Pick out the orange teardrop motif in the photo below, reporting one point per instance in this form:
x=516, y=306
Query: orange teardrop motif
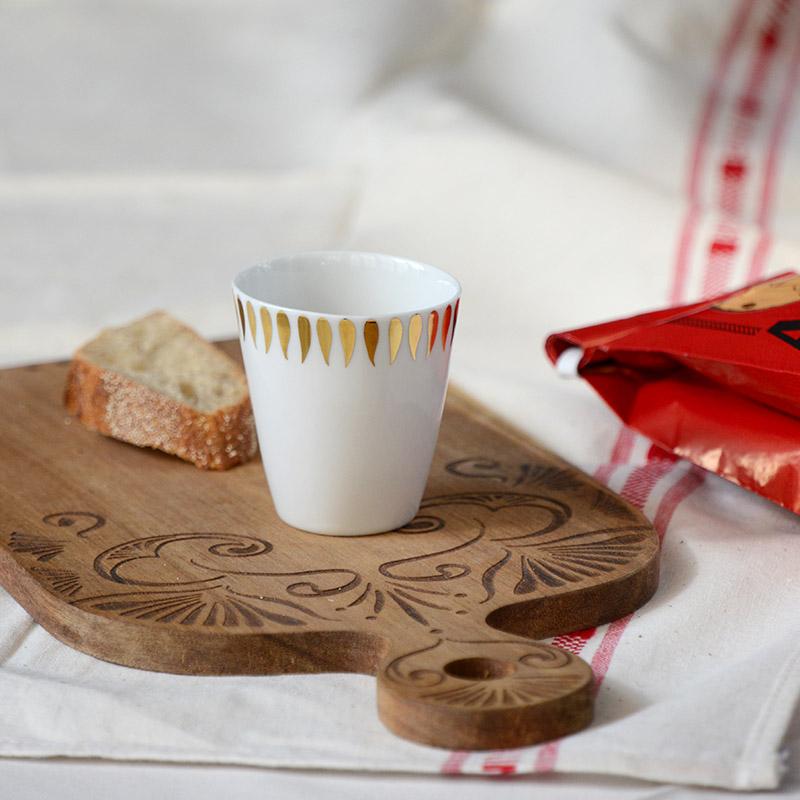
x=433, y=324
x=448, y=313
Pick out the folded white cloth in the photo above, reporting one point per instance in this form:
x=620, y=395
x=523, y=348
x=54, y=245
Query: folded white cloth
x=568, y=162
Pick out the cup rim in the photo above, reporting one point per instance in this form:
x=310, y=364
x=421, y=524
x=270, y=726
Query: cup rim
x=451, y=299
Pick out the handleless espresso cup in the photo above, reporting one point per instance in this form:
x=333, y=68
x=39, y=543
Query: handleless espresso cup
x=347, y=356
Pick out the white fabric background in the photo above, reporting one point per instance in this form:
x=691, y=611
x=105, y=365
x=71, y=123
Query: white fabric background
x=537, y=150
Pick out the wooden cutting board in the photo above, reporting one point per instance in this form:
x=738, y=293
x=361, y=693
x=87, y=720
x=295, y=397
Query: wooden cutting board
x=138, y=558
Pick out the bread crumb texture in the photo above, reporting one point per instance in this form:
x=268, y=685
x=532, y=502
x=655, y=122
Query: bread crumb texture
x=156, y=383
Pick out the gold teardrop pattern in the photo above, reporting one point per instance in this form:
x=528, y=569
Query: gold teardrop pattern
x=241, y=313
x=433, y=324
x=284, y=332
x=251, y=318
x=347, y=334
x=371, y=336
x=325, y=338
x=304, y=334
x=448, y=313
x=414, y=334
x=395, y=338
x=266, y=326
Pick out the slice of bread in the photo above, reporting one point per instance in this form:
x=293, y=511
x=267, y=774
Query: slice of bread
x=156, y=383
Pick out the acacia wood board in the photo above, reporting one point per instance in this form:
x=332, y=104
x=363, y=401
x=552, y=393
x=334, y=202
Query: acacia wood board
x=138, y=558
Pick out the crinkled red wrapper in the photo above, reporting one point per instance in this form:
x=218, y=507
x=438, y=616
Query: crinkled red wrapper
x=716, y=382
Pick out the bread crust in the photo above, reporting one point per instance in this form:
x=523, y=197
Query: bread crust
x=116, y=405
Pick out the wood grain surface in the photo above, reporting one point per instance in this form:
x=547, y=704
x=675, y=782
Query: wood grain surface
x=135, y=557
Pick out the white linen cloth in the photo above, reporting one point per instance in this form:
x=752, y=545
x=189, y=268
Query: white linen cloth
x=539, y=151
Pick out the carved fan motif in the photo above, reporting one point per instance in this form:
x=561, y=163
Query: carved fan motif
x=43, y=548
x=208, y=606
x=63, y=581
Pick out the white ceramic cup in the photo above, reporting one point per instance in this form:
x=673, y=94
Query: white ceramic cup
x=347, y=356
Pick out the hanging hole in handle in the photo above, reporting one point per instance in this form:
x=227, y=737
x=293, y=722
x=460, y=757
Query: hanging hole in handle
x=479, y=669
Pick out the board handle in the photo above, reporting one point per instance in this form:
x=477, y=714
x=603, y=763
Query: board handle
x=480, y=694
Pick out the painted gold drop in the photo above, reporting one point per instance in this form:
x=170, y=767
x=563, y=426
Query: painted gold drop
x=395, y=338
x=347, y=333
x=325, y=337
x=414, y=334
x=266, y=326
x=284, y=332
x=371, y=336
x=433, y=324
x=448, y=313
x=241, y=313
x=251, y=318
x=304, y=332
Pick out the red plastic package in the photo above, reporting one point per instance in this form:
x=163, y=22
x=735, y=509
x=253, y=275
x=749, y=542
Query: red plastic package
x=716, y=382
